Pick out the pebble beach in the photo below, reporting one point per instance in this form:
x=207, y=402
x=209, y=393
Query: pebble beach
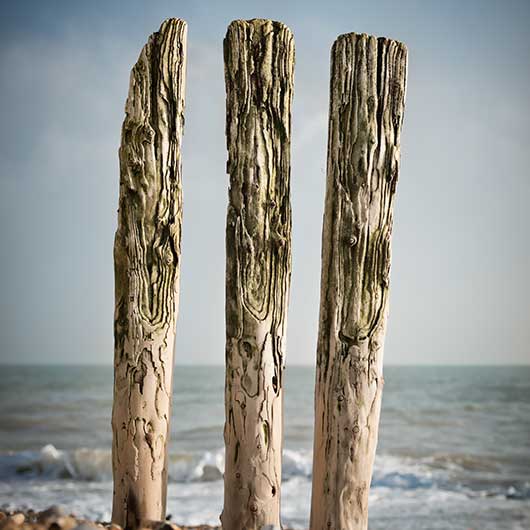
x=55, y=518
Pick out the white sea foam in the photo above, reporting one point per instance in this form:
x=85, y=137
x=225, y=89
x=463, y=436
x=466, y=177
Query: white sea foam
x=95, y=465
x=81, y=481
x=458, y=468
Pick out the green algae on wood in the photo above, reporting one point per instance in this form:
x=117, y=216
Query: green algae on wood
x=147, y=269
x=259, y=63
x=367, y=97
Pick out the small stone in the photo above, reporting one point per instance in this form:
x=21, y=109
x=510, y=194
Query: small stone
x=114, y=527
x=65, y=522
x=85, y=525
x=17, y=518
x=13, y=521
x=50, y=514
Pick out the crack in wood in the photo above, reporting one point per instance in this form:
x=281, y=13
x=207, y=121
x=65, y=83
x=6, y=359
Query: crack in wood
x=367, y=95
x=259, y=62
x=147, y=259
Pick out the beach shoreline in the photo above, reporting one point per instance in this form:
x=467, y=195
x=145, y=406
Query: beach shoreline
x=55, y=447
x=55, y=518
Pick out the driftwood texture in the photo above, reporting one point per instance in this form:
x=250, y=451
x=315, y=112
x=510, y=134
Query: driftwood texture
x=146, y=257
x=259, y=62
x=367, y=94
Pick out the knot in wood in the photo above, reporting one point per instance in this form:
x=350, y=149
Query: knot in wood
x=352, y=241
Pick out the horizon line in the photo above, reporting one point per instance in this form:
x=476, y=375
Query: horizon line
x=301, y=365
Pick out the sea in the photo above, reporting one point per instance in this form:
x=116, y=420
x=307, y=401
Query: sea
x=453, y=452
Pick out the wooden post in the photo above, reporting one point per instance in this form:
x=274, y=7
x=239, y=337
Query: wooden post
x=368, y=80
x=259, y=62
x=147, y=259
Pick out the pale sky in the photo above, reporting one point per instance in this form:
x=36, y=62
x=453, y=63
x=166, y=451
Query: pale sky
x=461, y=249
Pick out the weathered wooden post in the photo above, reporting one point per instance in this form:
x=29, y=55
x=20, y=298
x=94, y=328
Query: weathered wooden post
x=368, y=81
x=259, y=63
x=146, y=258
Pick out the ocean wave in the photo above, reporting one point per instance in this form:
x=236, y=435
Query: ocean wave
x=96, y=465
x=390, y=472
x=49, y=462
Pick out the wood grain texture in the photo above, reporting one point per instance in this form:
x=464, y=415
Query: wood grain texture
x=367, y=95
x=147, y=259
x=259, y=63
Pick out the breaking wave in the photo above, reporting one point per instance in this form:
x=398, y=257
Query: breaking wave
x=391, y=472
